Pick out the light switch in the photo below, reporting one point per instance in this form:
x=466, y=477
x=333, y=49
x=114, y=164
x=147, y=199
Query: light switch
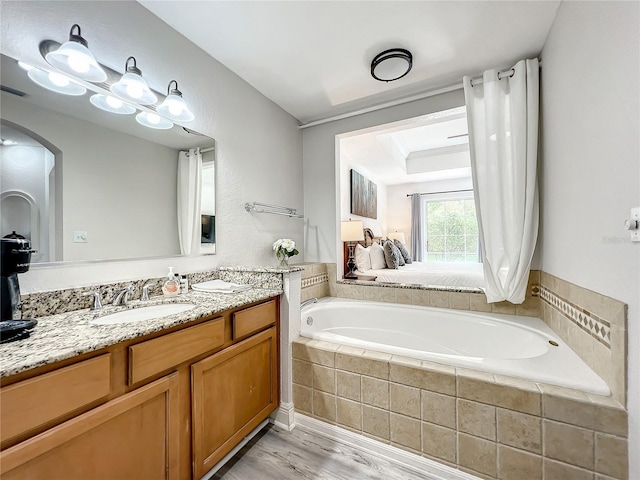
x=80, y=237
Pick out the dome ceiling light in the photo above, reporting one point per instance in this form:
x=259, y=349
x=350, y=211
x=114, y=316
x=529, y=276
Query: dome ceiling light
x=391, y=64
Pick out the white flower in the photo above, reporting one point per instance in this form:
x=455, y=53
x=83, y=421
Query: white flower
x=277, y=244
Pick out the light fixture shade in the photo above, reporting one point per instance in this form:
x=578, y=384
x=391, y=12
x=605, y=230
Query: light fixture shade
x=397, y=236
x=75, y=58
x=352, y=231
x=152, y=120
x=174, y=107
x=391, y=64
x=111, y=104
x=56, y=82
x=132, y=87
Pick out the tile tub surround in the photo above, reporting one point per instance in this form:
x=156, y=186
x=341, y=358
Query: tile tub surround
x=459, y=298
x=593, y=325
x=492, y=426
x=41, y=304
x=315, y=280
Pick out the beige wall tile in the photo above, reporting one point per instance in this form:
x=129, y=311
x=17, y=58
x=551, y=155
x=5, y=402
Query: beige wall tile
x=421, y=297
x=459, y=300
x=403, y=295
x=362, y=365
x=530, y=307
x=439, y=299
x=507, y=308
x=302, y=373
x=348, y=385
x=477, y=454
x=349, y=413
x=612, y=456
x=477, y=419
x=553, y=470
x=324, y=406
x=405, y=431
x=588, y=415
x=478, y=302
x=482, y=476
x=573, y=445
x=324, y=379
x=517, y=465
x=506, y=396
x=439, y=442
x=519, y=430
x=310, y=353
x=303, y=399
x=375, y=392
x=431, y=380
x=404, y=400
x=376, y=422
x=440, y=409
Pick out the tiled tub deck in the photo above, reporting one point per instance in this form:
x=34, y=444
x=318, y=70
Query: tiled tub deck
x=488, y=425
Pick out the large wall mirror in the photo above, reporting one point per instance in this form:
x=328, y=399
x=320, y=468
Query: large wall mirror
x=87, y=185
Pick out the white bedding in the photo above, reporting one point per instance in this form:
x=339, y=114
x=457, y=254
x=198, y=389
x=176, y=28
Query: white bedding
x=444, y=274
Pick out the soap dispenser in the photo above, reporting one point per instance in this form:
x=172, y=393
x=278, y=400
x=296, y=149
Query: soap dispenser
x=171, y=286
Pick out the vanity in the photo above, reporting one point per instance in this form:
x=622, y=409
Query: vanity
x=127, y=403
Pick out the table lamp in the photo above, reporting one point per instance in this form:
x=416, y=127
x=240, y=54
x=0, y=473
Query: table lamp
x=351, y=232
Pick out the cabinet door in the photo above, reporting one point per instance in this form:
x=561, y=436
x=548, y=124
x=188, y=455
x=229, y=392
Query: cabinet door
x=132, y=437
x=232, y=392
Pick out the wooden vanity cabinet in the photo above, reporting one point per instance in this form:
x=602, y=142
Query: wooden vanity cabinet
x=169, y=407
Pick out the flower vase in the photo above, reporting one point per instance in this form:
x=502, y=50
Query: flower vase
x=284, y=262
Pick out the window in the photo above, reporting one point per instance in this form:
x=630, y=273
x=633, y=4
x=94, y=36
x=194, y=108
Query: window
x=451, y=228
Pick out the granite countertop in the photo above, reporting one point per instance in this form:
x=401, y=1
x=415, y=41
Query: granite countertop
x=66, y=335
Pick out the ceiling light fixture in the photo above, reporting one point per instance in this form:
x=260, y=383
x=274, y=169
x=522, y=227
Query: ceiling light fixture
x=56, y=82
x=132, y=87
x=75, y=58
x=153, y=120
x=391, y=64
x=111, y=104
x=174, y=106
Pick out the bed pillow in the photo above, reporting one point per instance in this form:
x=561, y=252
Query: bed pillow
x=392, y=255
x=377, y=257
x=403, y=251
x=363, y=258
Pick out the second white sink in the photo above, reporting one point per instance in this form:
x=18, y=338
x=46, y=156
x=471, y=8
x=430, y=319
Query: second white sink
x=140, y=314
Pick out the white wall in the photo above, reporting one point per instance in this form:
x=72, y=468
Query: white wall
x=258, y=145
x=321, y=175
x=377, y=225
x=591, y=168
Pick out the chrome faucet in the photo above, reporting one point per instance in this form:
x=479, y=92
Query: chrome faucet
x=308, y=302
x=97, y=304
x=145, y=291
x=123, y=296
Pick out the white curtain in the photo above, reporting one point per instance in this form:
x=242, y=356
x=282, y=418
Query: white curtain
x=417, y=228
x=502, y=113
x=189, y=193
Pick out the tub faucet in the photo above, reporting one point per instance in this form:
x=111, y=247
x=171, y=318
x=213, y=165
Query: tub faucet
x=123, y=296
x=308, y=302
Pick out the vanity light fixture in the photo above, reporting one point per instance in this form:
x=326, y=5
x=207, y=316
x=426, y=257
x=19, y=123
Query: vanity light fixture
x=111, y=104
x=174, y=106
x=56, y=82
x=153, y=120
x=391, y=64
x=75, y=58
x=132, y=87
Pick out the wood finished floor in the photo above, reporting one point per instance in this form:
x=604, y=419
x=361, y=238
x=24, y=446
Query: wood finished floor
x=275, y=454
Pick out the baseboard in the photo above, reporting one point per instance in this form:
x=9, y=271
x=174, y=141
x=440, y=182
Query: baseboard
x=284, y=417
x=423, y=465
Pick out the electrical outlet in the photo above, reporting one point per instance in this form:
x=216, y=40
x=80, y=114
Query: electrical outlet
x=80, y=237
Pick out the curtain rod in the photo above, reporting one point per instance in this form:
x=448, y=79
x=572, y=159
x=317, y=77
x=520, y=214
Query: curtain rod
x=435, y=193
x=202, y=150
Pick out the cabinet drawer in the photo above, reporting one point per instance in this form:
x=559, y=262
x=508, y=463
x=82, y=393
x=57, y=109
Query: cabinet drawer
x=250, y=320
x=29, y=404
x=155, y=356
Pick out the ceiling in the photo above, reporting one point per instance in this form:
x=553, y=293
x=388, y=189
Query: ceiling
x=313, y=57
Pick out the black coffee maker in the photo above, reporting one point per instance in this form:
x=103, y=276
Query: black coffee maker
x=15, y=257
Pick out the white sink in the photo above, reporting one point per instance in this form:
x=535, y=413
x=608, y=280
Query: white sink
x=140, y=314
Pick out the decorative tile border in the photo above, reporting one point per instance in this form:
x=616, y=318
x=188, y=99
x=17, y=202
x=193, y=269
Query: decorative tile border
x=595, y=326
x=315, y=280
